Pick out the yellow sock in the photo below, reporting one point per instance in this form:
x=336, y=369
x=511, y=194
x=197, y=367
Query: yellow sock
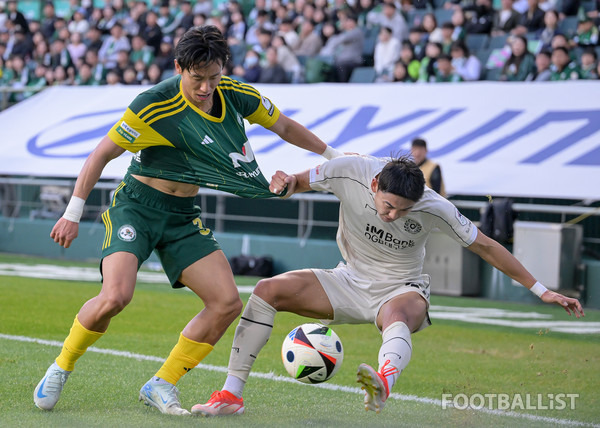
x=75, y=345
x=183, y=357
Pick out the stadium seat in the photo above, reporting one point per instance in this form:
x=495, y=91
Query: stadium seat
x=371, y=36
x=492, y=74
x=439, y=4
x=415, y=16
x=483, y=55
x=238, y=53
x=476, y=42
x=568, y=25
x=318, y=69
x=588, y=5
x=443, y=15
x=363, y=75
x=497, y=42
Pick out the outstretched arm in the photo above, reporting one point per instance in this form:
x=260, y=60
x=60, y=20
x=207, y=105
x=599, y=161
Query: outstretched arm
x=499, y=257
x=296, y=134
x=66, y=228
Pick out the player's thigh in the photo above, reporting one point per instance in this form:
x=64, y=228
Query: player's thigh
x=298, y=291
x=409, y=308
x=119, y=274
x=211, y=279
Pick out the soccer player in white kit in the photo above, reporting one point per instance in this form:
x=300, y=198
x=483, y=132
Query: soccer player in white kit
x=386, y=215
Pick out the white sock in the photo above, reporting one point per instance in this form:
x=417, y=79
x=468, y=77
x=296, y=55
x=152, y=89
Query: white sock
x=251, y=334
x=397, y=348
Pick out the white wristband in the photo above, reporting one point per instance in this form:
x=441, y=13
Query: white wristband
x=74, y=209
x=538, y=289
x=331, y=153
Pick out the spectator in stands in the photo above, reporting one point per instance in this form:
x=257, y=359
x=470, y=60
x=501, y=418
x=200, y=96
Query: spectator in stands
x=387, y=52
x=549, y=30
x=541, y=73
x=447, y=29
x=98, y=70
x=85, y=76
x=93, y=38
x=79, y=23
x=166, y=54
x=251, y=69
x=141, y=51
x=41, y=53
x=153, y=75
x=286, y=29
x=563, y=68
x=432, y=31
x=237, y=30
x=17, y=76
x=431, y=170
x=152, y=33
x=346, y=48
x=114, y=43
x=309, y=42
x=59, y=55
x=21, y=43
x=63, y=76
x=112, y=78
x=272, y=72
x=37, y=81
x=589, y=59
x=123, y=63
x=16, y=17
x=587, y=32
x=206, y=6
x=506, y=19
x=76, y=47
x=466, y=65
x=165, y=19
x=568, y=8
x=458, y=20
x=428, y=63
x=48, y=18
x=480, y=17
x=264, y=40
x=287, y=59
x=389, y=17
x=108, y=20
x=521, y=62
x=130, y=76
x=407, y=56
x=400, y=73
x=415, y=37
x=444, y=73
x=532, y=20
x=262, y=21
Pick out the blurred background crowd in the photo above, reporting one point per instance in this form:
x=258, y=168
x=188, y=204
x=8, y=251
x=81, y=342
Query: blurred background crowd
x=131, y=42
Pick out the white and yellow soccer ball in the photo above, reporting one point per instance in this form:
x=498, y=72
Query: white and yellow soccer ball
x=312, y=353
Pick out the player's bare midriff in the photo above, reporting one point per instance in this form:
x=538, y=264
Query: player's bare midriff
x=174, y=188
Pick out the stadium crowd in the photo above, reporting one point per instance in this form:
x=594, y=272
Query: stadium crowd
x=303, y=41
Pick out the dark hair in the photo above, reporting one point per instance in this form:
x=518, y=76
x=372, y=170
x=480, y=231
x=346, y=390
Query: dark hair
x=402, y=177
x=200, y=46
x=459, y=44
x=419, y=142
x=590, y=51
x=561, y=48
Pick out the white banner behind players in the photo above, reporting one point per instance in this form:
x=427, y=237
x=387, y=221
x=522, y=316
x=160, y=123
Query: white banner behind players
x=540, y=140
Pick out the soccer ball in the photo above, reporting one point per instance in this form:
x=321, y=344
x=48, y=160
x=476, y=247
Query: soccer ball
x=312, y=353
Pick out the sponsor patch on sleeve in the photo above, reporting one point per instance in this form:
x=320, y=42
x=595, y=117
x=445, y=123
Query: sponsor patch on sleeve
x=461, y=218
x=268, y=105
x=127, y=132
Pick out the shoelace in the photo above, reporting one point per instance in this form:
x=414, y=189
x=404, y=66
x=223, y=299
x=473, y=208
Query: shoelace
x=387, y=371
x=55, y=381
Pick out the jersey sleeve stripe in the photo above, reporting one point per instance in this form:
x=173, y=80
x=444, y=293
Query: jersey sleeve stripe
x=146, y=111
x=253, y=93
x=158, y=116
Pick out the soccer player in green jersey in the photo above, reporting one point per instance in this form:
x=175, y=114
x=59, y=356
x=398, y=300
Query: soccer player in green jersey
x=187, y=131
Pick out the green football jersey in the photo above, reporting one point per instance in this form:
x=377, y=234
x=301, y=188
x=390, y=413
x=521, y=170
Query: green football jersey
x=174, y=140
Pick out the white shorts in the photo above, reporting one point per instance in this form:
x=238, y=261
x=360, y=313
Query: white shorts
x=357, y=300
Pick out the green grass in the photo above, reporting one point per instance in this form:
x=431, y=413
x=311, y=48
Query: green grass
x=449, y=357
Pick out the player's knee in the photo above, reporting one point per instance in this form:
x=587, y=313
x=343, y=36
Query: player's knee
x=114, y=303
x=227, y=309
x=267, y=290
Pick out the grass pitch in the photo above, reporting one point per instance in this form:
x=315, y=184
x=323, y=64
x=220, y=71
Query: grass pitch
x=449, y=357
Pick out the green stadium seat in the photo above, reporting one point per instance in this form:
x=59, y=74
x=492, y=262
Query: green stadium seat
x=568, y=25
x=476, y=42
x=363, y=75
x=492, y=74
x=498, y=42
x=443, y=15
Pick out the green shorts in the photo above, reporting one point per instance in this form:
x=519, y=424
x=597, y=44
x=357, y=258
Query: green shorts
x=141, y=219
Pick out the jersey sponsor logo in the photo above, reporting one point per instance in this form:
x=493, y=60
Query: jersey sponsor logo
x=246, y=156
x=127, y=233
x=127, y=132
x=207, y=140
x=380, y=236
x=268, y=105
x=252, y=174
x=412, y=226
x=461, y=218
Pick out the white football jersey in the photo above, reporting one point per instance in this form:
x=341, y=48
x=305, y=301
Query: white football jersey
x=372, y=247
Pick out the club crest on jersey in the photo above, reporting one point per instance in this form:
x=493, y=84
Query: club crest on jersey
x=412, y=226
x=127, y=132
x=127, y=233
x=268, y=105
